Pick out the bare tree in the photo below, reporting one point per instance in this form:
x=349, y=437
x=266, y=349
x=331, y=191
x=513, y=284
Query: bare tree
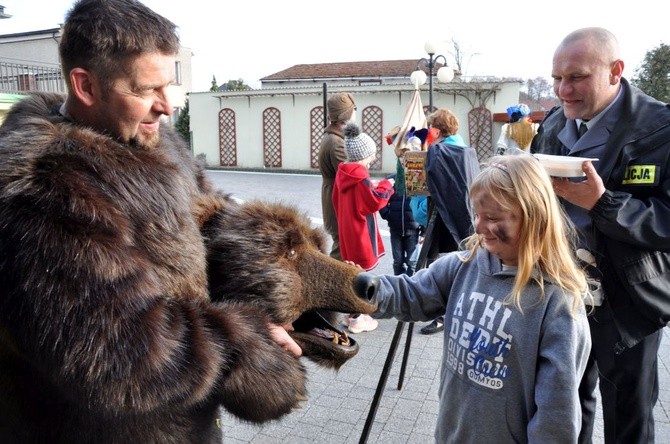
x=538, y=88
x=460, y=55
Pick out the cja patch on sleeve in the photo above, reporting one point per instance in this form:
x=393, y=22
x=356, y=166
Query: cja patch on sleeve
x=640, y=175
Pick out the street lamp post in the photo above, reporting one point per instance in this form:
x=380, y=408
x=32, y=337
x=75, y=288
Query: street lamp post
x=418, y=77
x=444, y=74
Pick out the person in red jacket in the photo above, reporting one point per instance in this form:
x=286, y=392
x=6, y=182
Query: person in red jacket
x=356, y=200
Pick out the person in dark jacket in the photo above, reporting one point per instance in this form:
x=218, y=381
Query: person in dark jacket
x=341, y=109
x=621, y=209
x=404, y=232
x=451, y=166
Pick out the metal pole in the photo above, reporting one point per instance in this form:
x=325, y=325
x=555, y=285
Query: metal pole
x=381, y=384
x=405, y=356
x=325, y=102
x=430, y=84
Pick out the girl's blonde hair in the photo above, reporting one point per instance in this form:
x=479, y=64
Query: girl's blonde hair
x=546, y=243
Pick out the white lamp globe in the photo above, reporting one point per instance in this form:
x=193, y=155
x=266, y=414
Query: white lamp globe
x=445, y=74
x=430, y=47
x=418, y=78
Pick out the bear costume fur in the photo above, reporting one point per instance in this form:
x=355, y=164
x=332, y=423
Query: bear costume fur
x=108, y=251
x=281, y=266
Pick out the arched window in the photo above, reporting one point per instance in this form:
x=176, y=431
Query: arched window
x=272, y=138
x=316, y=134
x=372, y=125
x=480, y=124
x=227, y=138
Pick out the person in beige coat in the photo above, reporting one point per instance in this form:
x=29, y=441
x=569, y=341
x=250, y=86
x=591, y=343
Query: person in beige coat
x=341, y=109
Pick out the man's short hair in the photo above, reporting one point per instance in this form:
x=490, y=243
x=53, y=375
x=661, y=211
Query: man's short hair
x=104, y=36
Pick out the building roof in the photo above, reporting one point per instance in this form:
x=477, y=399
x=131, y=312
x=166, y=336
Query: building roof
x=46, y=32
x=375, y=69
x=2, y=13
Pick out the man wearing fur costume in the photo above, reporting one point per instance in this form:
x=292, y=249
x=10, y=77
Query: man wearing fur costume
x=107, y=331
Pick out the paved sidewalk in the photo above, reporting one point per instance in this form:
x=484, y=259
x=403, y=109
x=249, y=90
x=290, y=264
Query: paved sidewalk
x=339, y=402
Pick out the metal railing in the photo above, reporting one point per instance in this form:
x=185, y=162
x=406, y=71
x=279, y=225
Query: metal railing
x=17, y=77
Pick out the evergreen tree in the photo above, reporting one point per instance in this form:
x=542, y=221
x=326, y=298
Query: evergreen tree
x=236, y=85
x=653, y=76
x=183, y=125
x=214, y=86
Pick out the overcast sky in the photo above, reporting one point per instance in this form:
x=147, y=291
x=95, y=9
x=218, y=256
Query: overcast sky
x=233, y=40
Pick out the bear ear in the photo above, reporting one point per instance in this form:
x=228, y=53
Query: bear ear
x=205, y=206
x=293, y=238
x=318, y=238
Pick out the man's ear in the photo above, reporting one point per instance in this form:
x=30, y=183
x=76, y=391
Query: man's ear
x=84, y=86
x=616, y=71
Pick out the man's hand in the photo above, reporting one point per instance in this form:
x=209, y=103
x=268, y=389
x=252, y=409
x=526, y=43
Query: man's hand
x=584, y=194
x=280, y=335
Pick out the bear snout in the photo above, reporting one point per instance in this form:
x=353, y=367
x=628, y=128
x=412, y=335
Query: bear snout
x=366, y=286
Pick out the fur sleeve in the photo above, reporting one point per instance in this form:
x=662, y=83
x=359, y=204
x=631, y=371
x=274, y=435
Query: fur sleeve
x=105, y=292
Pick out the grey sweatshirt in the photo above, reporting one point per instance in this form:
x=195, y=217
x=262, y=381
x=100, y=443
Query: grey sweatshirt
x=507, y=376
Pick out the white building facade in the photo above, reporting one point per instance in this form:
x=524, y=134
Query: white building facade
x=280, y=127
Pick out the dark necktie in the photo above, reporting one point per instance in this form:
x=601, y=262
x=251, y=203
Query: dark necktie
x=582, y=129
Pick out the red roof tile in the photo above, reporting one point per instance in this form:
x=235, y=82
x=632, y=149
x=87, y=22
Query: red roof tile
x=384, y=68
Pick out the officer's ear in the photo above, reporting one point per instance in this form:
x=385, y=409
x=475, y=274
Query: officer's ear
x=616, y=71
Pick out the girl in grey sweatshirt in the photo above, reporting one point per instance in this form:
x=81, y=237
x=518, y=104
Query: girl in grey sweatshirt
x=516, y=337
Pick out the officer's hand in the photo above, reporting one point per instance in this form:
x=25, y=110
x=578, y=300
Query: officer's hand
x=584, y=194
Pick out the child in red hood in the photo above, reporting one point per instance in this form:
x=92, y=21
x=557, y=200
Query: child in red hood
x=356, y=200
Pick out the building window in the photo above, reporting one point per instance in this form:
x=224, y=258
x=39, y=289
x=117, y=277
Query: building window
x=177, y=72
x=316, y=127
x=227, y=138
x=372, y=120
x=272, y=138
x=480, y=131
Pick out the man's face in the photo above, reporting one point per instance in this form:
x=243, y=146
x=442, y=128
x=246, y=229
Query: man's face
x=132, y=109
x=583, y=82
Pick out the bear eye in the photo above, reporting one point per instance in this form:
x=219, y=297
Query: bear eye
x=292, y=254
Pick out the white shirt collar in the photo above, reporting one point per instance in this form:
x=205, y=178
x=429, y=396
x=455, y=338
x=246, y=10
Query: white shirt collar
x=597, y=117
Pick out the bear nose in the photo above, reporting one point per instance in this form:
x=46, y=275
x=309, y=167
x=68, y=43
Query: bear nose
x=366, y=285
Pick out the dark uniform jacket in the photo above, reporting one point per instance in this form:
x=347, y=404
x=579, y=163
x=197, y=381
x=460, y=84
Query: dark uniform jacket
x=631, y=224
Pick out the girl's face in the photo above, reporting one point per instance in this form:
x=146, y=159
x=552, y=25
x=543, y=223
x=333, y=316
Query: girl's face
x=499, y=228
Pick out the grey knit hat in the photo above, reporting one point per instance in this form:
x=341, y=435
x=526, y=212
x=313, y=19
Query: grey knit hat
x=357, y=145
